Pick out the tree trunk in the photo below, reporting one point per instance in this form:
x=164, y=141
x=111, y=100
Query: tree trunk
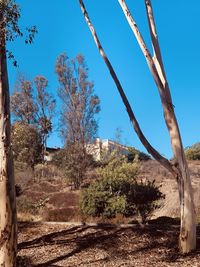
x=7, y=185
x=187, y=241
x=163, y=161
x=179, y=168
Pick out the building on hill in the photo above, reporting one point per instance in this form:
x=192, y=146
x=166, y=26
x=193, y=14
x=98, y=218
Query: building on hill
x=98, y=147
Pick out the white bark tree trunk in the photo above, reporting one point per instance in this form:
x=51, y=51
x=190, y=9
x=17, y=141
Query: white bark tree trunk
x=179, y=169
x=187, y=239
x=7, y=184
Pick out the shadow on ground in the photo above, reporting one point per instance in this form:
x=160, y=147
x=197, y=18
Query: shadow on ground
x=114, y=242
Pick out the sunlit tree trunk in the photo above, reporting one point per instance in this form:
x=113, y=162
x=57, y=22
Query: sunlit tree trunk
x=7, y=185
x=187, y=240
x=179, y=168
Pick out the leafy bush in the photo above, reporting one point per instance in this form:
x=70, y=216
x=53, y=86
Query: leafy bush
x=26, y=143
x=118, y=192
x=143, y=198
x=193, y=152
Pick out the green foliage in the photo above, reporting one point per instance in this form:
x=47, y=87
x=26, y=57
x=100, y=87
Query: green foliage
x=26, y=143
x=9, y=26
x=193, y=152
x=31, y=103
x=135, y=154
x=142, y=198
x=118, y=192
x=117, y=167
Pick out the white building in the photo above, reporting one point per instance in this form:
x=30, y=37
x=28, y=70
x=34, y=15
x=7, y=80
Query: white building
x=105, y=146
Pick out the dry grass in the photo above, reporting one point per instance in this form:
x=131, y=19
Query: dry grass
x=64, y=199
x=170, y=206
x=53, y=194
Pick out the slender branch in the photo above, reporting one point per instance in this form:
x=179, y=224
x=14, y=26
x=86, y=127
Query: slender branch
x=157, y=73
x=150, y=60
x=130, y=112
x=156, y=47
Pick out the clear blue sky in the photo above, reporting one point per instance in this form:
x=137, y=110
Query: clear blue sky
x=62, y=28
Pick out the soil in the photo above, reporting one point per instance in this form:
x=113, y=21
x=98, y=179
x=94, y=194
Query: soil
x=62, y=245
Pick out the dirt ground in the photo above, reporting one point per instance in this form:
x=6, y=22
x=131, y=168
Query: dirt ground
x=54, y=245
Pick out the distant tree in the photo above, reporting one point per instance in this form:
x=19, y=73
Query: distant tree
x=179, y=167
x=31, y=103
x=79, y=107
x=26, y=143
x=45, y=106
x=9, y=31
x=23, y=106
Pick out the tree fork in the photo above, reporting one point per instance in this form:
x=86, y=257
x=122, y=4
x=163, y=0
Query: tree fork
x=187, y=240
x=163, y=161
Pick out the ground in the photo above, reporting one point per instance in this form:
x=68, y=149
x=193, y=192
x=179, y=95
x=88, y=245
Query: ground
x=61, y=245
x=55, y=244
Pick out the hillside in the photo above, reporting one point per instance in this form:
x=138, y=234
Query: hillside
x=152, y=170
x=50, y=199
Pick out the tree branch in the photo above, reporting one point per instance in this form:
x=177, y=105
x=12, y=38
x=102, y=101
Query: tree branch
x=150, y=60
x=156, y=47
x=155, y=154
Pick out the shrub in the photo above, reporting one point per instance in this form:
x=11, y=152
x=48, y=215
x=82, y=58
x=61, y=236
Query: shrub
x=193, y=152
x=110, y=197
x=135, y=154
x=26, y=143
x=118, y=192
x=143, y=198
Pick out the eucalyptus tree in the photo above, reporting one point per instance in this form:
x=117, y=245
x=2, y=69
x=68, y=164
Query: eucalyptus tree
x=9, y=31
x=79, y=108
x=179, y=168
